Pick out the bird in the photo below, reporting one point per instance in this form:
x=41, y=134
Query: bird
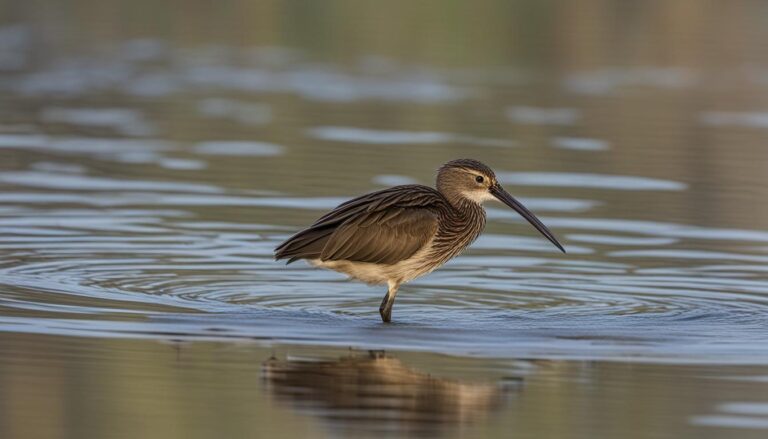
x=392, y=236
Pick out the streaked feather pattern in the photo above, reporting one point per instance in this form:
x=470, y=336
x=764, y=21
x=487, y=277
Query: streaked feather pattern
x=386, y=226
x=392, y=235
x=398, y=234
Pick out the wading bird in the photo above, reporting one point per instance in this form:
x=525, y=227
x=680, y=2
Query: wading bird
x=395, y=235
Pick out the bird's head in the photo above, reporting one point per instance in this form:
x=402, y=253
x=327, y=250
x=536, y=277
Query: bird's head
x=467, y=180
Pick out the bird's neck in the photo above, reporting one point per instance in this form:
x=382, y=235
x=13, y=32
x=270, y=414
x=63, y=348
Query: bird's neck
x=460, y=206
x=456, y=199
x=460, y=226
x=469, y=214
x=466, y=206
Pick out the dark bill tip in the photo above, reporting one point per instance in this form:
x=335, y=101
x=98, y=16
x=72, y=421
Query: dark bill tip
x=504, y=196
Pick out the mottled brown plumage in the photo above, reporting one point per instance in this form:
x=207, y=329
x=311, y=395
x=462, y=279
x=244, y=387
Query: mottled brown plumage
x=394, y=235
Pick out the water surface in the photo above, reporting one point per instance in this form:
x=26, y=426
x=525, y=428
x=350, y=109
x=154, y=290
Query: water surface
x=146, y=176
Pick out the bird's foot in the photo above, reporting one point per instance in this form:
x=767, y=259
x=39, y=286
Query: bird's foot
x=386, y=314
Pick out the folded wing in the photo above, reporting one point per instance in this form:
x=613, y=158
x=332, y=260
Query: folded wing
x=381, y=227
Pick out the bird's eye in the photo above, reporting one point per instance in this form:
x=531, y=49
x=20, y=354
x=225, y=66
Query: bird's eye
x=479, y=179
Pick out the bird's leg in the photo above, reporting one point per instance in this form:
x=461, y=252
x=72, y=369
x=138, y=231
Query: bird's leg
x=386, y=304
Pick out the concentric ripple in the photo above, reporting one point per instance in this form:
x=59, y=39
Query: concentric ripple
x=110, y=262
x=155, y=214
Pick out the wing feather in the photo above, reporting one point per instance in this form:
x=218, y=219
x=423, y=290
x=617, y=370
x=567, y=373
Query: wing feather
x=381, y=238
x=380, y=227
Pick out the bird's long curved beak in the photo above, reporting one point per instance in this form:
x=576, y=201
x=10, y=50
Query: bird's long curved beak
x=504, y=196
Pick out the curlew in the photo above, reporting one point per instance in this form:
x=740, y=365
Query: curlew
x=395, y=235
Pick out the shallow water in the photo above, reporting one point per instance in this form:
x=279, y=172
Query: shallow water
x=146, y=176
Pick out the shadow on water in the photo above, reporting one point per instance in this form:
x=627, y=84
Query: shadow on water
x=378, y=393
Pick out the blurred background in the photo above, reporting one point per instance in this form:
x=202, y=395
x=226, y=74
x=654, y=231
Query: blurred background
x=152, y=154
x=656, y=89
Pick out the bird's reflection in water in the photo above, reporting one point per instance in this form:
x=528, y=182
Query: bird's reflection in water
x=374, y=392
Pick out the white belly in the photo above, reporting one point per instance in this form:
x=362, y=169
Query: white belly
x=417, y=265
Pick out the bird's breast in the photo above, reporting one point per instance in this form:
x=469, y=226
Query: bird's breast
x=456, y=231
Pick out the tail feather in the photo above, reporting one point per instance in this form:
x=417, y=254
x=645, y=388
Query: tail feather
x=307, y=244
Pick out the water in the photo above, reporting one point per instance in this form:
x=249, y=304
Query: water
x=146, y=175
